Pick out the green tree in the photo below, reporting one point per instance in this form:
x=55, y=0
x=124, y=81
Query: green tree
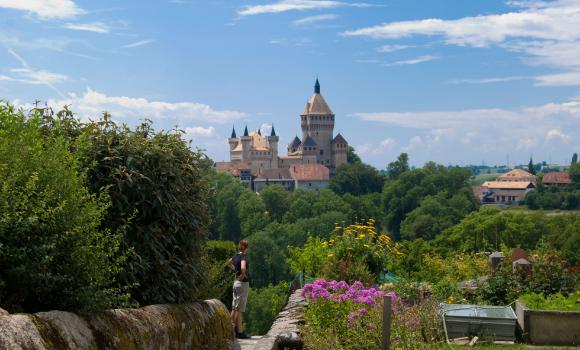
x=277, y=201
x=575, y=173
x=357, y=179
x=398, y=167
x=266, y=258
x=54, y=254
x=352, y=157
x=405, y=194
x=574, y=159
x=252, y=212
x=531, y=169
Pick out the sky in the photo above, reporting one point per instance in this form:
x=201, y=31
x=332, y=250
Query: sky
x=453, y=81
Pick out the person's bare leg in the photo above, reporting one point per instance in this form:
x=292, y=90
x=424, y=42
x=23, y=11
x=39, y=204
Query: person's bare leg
x=235, y=320
x=240, y=324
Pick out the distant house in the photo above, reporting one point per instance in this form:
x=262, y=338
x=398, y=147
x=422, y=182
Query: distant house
x=310, y=176
x=504, y=192
x=556, y=178
x=517, y=175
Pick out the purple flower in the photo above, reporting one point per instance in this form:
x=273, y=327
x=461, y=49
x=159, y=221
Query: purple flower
x=363, y=311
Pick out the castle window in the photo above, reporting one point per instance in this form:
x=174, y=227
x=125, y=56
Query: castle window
x=321, y=152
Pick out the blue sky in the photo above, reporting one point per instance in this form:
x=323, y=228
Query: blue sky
x=454, y=81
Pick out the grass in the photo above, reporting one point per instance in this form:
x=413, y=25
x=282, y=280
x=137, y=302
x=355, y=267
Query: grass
x=507, y=347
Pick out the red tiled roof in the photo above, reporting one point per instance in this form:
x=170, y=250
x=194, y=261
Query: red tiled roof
x=232, y=167
x=309, y=172
x=273, y=174
x=556, y=178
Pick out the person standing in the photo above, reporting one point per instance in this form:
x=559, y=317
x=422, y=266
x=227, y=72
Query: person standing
x=241, y=288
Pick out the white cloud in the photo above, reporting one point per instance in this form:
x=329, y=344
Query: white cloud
x=392, y=48
x=487, y=130
x=138, y=44
x=46, y=9
x=371, y=149
x=412, y=61
x=38, y=77
x=265, y=129
x=296, y=5
x=92, y=103
x=547, y=31
x=306, y=21
x=557, y=134
x=563, y=79
x=558, y=20
x=489, y=80
x=199, y=131
x=95, y=27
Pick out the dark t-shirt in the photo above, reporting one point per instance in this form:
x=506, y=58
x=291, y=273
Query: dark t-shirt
x=237, y=261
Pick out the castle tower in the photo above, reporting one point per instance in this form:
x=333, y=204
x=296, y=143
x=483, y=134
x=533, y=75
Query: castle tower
x=317, y=122
x=233, y=140
x=246, y=141
x=273, y=146
x=339, y=152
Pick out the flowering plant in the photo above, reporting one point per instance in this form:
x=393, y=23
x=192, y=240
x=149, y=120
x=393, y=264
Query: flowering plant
x=355, y=252
x=346, y=316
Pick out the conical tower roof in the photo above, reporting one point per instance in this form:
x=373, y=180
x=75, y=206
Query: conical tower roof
x=317, y=105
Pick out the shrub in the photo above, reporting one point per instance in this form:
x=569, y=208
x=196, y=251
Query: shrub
x=54, y=254
x=355, y=252
x=219, y=276
x=264, y=304
x=159, y=195
x=553, y=302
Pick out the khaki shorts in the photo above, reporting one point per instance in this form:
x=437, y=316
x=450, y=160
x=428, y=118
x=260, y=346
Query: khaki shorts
x=241, y=290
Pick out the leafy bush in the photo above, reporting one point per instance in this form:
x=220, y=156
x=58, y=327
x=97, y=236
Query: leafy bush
x=54, y=254
x=553, y=302
x=264, y=304
x=219, y=277
x=159, y=193
x=355, y=252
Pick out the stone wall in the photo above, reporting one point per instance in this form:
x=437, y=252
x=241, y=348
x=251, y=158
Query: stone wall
x=200, y=325
x=284, y=333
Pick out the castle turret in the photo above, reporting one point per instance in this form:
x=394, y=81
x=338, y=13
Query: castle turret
x=246, y=141
x=273, y=146
x=339, y=152
x=233, y=140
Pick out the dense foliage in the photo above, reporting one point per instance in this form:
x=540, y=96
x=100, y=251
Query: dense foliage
x=565, y=197
x=557, y=301
x=158, y=196
x=263, y=307
x=490, y=228
x=433, y=197
x=353, y=253
x=54, y=252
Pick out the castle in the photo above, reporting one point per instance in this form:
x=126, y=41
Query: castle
x=318, y=150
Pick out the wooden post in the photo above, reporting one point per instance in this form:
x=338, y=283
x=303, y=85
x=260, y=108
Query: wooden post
x=386, y=323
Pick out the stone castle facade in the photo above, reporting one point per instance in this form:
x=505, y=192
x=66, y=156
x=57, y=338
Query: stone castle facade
x=318, y=145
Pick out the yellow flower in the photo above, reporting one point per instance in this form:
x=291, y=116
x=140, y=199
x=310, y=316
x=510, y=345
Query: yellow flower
x=362, y=235
x=330, y=255
x=367, y=246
